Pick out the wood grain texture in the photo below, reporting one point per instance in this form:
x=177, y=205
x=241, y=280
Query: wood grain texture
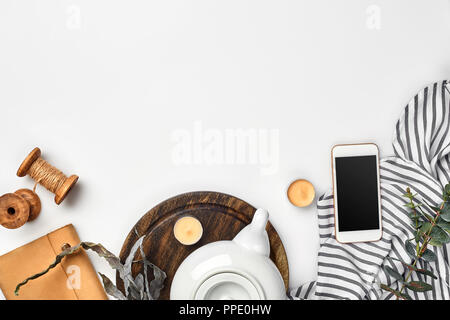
x=14, y=211
x=222, y=217
x=33, y=200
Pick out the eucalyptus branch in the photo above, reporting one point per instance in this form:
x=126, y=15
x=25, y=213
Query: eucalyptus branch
x=419, y=249
x=429, y=231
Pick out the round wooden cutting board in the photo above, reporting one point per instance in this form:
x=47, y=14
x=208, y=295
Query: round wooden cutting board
x=222, y=217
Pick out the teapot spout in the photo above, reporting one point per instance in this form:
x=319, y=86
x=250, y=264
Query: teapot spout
x=254, y=236
x=260, y=220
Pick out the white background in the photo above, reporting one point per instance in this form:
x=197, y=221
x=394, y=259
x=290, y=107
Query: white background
x=100, y=87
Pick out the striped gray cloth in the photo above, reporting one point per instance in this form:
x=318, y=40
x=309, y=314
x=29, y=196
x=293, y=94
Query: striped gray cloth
x=422, y=147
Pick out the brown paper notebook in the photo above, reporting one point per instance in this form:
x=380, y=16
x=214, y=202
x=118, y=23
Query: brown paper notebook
x=73, y=279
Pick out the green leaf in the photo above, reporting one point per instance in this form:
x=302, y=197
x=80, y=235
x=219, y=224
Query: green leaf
x=445, y=212
x=426, y=226
x=419, y=286
x=417, y=236
x=435, y=243
x=405, y=296
x=444, y=225
x=416, y=225
x=413, y=268
x=398, y=294
x=393, y=273
x=446, y=193
x=429, y=256
x=447, y=189
x=410, y=249
x=413, y=215
x=439, y=235
x=426, y=272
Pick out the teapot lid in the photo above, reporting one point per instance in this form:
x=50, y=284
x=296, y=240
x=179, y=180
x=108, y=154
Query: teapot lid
x=229, y=286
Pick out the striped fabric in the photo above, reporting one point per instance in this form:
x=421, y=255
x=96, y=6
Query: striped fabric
x=422, y=147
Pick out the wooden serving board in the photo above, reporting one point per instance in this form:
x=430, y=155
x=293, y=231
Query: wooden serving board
x=222, y=217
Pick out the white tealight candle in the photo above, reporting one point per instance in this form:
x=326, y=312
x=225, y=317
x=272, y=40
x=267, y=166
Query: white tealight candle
x=188, y=230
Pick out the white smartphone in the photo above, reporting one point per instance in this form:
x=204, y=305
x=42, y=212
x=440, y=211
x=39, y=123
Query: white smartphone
x=356, y=189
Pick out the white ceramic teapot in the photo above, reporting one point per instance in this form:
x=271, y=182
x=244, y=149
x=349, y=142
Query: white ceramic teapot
x=239, y=269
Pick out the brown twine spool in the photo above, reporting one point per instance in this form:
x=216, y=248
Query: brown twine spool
x=18, y=208
x=46, y=175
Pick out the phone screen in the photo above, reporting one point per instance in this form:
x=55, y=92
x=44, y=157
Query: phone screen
x=357, y=193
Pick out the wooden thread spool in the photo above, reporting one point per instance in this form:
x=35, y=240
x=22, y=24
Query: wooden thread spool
x=46, y=175
x=19, y=207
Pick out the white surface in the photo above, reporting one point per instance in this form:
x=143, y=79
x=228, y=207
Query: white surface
x=101, y=86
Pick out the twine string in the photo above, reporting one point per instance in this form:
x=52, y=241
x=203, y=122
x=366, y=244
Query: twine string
x=45, y=174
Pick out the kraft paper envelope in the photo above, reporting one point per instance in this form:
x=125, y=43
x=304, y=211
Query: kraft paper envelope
x=73, y=279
